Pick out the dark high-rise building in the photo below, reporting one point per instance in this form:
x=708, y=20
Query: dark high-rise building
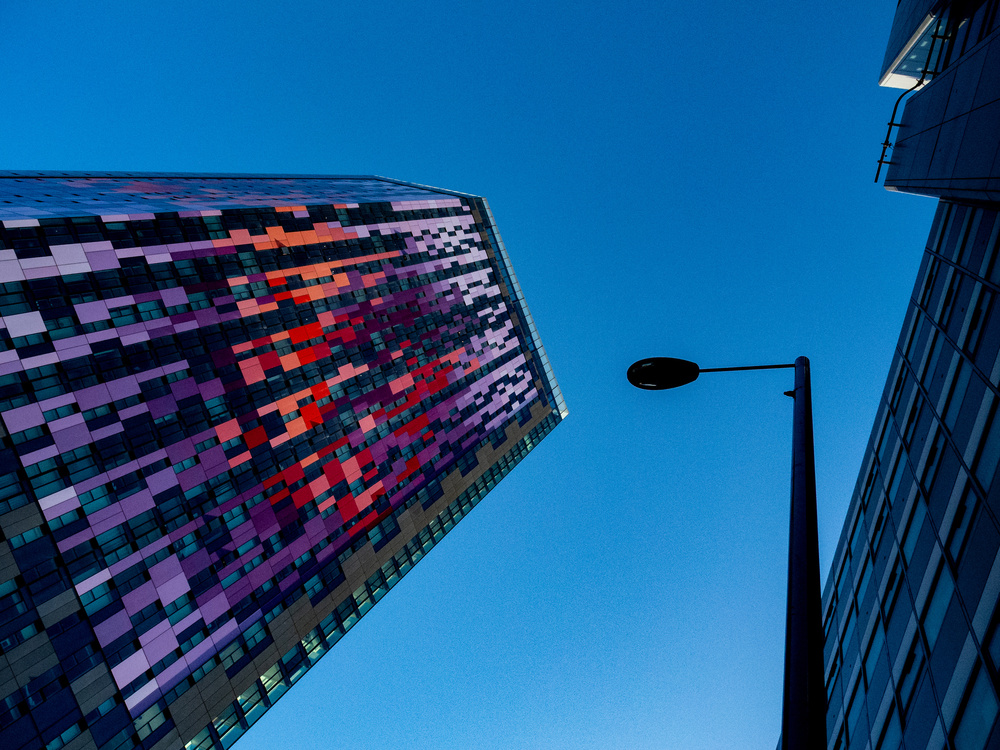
x=910, y=606
x=234, y=412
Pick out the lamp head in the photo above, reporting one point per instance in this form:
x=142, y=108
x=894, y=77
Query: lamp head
x=659, y=373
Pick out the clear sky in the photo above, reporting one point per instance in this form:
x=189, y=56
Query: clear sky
x=679, y=179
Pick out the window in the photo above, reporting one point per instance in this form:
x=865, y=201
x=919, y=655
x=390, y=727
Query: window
x=960, y=525
x=978, y=714
x=854, y=711
x=892, y=734
x=933, y=460
x=314, y=646
x=149, y=721
x=929, y=278
x=874, y=651
x=897, y=390
x=957, y=395
x=97, y=598
x=866, y=577
x=989, y=453
x=899, y=471
x=831, y=679
x=912, y=418
x=59, y=742
x=878, y=529
x=892, y=588
x=274, y=683
x=227, y=724
x=252, y=704
x=931, y=364
x=994, y=646
x=28, y=536
x=912, y=533
x=255, y=634
x=829, y=621
x=60, y=412
x=850, y=624
x=937, y=605
x=949, y=299
x=857, y=536
x=979, y=315
x=910, y=675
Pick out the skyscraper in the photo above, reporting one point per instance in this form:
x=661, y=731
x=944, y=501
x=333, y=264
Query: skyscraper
x=235, y=411
x=910, y=606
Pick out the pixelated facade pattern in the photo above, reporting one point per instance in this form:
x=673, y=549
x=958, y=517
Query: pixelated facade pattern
x=910, y=606
x=235, y=411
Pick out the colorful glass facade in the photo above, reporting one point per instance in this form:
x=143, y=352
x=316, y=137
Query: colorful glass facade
x=235, y=411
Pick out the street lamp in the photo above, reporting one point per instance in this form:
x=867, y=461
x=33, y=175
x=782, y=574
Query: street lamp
x=803, y=716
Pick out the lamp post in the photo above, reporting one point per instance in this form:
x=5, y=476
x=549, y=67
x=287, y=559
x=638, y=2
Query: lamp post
x=803, y=717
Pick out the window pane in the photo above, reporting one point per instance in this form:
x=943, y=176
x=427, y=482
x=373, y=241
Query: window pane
x=938, y=605
x=989, y=454
x=874, y=650
x=912, y=669
x=202, y=741
x=978, y=716
x=892, y=735
x=913, y=530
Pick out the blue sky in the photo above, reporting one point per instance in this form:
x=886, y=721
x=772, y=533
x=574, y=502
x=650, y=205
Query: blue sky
x=676, y=179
